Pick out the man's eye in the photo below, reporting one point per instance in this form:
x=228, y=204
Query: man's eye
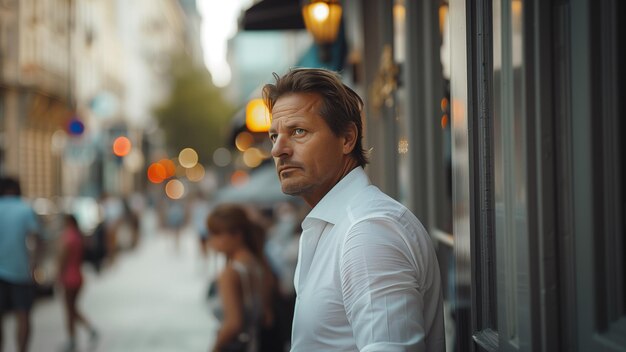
x=298, y=131
x=273, y=137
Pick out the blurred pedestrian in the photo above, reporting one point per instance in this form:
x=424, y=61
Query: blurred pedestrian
x=176, y=220
x=71, y=279
x=131, y=224
x=243, y=300
x=199, y=209
x=18, y=223
x=113, y=214
x=94, y=247
x=367, y=275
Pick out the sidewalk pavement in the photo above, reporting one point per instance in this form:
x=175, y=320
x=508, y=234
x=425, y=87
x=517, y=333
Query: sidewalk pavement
x=150, y=299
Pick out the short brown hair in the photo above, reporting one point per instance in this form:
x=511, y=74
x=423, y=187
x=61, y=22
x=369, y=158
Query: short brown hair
x=340, y=105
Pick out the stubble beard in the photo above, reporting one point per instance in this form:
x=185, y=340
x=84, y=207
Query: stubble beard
x=292, y=184
x=294, y=188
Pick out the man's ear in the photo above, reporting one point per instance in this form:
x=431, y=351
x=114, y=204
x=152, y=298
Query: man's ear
x=349, y=138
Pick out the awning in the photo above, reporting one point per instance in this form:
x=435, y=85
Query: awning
x=273, y=15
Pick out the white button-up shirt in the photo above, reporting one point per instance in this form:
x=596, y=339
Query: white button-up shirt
x=367, y=277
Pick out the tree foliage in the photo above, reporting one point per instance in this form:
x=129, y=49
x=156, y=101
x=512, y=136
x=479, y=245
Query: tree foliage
x=195, y=115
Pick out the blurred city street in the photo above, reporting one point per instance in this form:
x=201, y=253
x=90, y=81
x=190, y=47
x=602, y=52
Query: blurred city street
x=125, y=125
x=149, y=299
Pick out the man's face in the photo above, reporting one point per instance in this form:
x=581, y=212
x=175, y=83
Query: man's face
x=309, y=158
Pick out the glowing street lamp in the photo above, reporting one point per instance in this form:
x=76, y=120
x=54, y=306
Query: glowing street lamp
x=322, y=19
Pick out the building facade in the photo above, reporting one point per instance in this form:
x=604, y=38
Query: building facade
x=101, y=64
x=498, y=123
x=34, y=90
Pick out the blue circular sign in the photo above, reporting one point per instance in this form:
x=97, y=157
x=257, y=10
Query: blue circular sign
x=75, y=127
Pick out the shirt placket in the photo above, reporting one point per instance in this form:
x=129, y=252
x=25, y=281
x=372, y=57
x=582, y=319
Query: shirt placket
x=308, y=246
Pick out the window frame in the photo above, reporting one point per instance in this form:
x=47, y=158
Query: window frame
x=597, y=231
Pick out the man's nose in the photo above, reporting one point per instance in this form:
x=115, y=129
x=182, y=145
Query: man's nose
x=281, y=147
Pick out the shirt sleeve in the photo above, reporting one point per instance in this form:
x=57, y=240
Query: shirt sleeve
x=381, y=289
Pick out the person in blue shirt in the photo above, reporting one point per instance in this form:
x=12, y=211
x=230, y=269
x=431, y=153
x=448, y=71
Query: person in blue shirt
x=17, y=292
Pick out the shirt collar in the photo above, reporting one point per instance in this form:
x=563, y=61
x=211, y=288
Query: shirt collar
x=332, y=207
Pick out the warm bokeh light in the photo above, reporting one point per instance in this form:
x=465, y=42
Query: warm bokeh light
x=257, y=116
x=121, y=146
x=133, y=162
x=196, y=173
x=444, y=104
x=399, y=12
x=244, y=140
x=320, y=11
x=174, y=189
x=252, y=157
x=188, y=158
x=403, y=146
x=458, y=111
x=221, y=157
x=239, y=178
x=444, y=121
x=58, y=141
x=516, y=7
x=169, y=166
x=443, y=15
x=156, y=173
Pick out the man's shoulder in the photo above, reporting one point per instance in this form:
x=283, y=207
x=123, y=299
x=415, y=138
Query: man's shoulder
x=372, y=202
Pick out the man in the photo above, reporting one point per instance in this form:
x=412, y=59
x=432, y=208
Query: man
x=367, y=277
x=17, y=292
